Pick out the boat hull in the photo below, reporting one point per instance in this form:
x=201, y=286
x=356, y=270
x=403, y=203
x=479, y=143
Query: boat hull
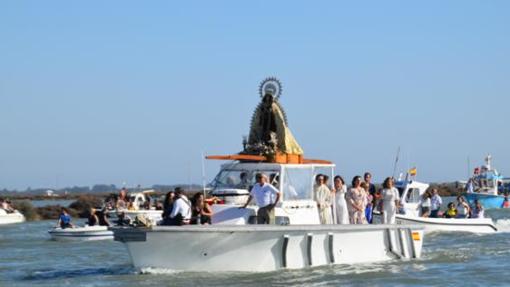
x=86, y=233
x=267, y=247
x=488, y=201
x=473, y=225
x=11, y=218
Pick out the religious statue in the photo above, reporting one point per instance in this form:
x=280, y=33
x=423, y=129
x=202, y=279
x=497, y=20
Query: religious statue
x=269, y=133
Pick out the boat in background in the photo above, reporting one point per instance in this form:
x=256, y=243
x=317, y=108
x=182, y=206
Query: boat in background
x=486, y=186
x=85, y=233
x=11, y=217
x=411, y=192
x=139, y=199
x=296, y=239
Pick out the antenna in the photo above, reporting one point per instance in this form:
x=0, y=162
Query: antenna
x=396, y=161
x=189, y=176
x=203, y=173
x=468, y=167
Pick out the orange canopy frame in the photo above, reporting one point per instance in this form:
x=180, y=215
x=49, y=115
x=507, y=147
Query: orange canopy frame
x=280, y=158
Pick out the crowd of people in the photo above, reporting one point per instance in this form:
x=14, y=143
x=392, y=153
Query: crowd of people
x=336, y=204
x=179, y=210
x=430, y=205
x=355, y=205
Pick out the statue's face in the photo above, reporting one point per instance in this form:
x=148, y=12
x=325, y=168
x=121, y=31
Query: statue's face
x=268, y=99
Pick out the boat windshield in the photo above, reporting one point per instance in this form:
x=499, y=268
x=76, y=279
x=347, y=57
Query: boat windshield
x=242, y=179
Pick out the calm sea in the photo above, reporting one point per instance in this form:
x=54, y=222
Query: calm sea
x=28, y=258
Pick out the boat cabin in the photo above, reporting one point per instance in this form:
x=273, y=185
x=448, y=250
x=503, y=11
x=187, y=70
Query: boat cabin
x=295, y=182
x=410, y=192
x=485, y=180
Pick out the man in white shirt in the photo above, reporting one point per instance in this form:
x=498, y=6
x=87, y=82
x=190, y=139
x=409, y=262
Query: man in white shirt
x=181, y=212
x=266, y=196
x=435, y=203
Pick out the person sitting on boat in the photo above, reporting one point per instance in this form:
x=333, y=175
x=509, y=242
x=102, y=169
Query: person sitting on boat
x=506, y=202
x=477, y=211
x=244, y=181
x=451, y=211
x=93, y=219
x=355, y=199
x=367, y=202
x=123, y=219
x=131, y=206
x=201, y=212
x=5, y=204
x=266, y=197
x=323, y=197
x=342, y=212
x=390, y=201
x=181, y=211
x=147, y=204
x=425, y=204
x=64, y=220
x=102, y=216
x=435, y=203
x=463, y=208
x=168, y=205
x=122, y=200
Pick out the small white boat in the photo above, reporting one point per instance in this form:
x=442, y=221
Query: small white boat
x=411, y=191
x=139, y=199
x=84, y=233
x=10, y=218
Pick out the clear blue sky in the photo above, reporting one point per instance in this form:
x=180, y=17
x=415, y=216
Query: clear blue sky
x=134, y=91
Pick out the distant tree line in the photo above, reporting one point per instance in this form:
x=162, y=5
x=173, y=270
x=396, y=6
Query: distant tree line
x=97, y=188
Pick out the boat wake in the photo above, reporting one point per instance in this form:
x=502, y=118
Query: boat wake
x=503, y=225
x=159, y=271
x=72, y=273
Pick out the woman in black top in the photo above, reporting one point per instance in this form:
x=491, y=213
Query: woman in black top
x=201, y=212
x=168, y=205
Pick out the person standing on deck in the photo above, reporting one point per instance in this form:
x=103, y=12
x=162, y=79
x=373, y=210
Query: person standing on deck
x=266, y=196
x=372, y=191
x=390, y=201
x=355, y=198
x=435, y=203
x=342, y=213
x=324, y=199
x=367, y=203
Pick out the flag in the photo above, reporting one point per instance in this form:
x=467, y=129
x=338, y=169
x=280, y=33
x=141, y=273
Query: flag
x=412, y=171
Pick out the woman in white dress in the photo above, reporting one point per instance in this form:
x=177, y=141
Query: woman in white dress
x=342, y=213
x=390, y=201
x=463, y=208
x=324, y=199
x=355, y=198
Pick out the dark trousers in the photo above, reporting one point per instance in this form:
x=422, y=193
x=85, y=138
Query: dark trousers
x=434, y=213
x=265, y=215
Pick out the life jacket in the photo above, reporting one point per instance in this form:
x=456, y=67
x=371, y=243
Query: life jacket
x=451, y=212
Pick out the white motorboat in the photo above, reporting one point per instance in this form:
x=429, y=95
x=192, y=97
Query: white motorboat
x=85, y=233
x=139, y=199
x=11, y=217
x=297, y=239
x=411, y=191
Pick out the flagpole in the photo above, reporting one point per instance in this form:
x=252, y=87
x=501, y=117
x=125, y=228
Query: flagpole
x=396, y=161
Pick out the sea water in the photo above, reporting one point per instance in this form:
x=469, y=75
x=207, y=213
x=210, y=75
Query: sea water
x=28, y=257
